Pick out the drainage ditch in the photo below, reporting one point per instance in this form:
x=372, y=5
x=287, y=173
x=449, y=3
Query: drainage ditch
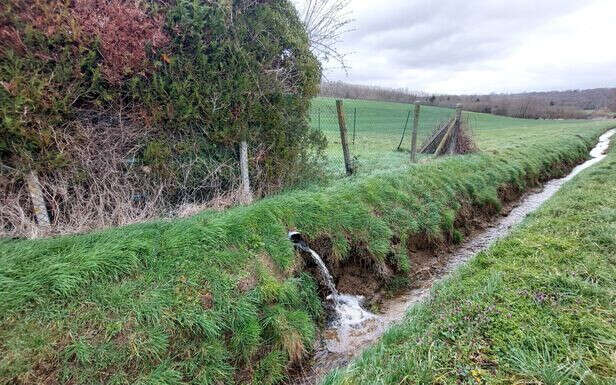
x=351, y=327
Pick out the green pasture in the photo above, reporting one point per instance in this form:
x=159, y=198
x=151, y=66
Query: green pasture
x=379, y=126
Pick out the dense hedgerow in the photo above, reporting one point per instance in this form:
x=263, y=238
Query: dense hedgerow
x=139, y=105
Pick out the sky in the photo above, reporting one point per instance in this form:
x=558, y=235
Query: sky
x=480, y=46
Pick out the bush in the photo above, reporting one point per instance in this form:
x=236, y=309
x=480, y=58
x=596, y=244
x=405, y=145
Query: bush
x=128, y=109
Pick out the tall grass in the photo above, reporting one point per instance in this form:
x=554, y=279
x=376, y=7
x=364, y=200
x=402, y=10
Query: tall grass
x=221, y=297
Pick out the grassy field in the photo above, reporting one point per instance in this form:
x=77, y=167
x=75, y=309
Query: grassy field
x=537, y=308
x=379, y=127
x=222, y=297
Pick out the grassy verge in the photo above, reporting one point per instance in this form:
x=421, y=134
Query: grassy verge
x=221, y=297
x=537, y=308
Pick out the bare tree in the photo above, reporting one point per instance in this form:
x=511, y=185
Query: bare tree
x=326, y=22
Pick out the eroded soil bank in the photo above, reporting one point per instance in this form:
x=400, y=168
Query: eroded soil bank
x=433, y=261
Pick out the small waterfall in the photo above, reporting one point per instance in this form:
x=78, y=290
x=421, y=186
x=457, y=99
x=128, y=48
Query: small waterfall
x=348, y=311
x=297, y=240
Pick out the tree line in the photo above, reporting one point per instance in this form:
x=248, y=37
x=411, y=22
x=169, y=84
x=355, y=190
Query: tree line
x=572, y=104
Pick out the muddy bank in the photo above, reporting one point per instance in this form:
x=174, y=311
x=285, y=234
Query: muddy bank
x=430, y=260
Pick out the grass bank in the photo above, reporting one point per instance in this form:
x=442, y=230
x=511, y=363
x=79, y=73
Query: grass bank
x=536, y=308
x=222, y=297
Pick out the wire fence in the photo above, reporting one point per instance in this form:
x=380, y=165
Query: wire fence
x=379, y=133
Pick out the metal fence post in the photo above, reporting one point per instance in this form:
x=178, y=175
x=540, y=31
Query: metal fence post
x=415, y=129
x=406, y=123
x=354, y=123
x=343, y=138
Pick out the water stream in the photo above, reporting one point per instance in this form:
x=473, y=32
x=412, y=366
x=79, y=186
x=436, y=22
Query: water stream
x=353, y=328
x=299, y=242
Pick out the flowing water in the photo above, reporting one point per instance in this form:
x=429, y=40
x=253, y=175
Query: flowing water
x=353, y=328
x=299, y=242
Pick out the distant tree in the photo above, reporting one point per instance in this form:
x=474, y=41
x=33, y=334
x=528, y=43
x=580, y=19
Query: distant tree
x=354, y=91
x=326, y=21
x=612, y=101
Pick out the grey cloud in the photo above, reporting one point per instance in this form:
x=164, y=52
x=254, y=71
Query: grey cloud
x=456, y=34
x=480, y=45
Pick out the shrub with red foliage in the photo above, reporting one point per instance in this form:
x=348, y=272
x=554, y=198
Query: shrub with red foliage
x=115, y=137
x=124, y=30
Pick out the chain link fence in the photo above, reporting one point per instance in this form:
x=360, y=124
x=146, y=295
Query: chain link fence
x=378, y=133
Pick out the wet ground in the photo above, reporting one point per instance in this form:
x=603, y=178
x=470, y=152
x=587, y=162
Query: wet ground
x=345, y=339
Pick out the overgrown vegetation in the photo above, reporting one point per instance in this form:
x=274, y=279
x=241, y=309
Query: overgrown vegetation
x=221, y=297
x=538, y=307
x=127, y=109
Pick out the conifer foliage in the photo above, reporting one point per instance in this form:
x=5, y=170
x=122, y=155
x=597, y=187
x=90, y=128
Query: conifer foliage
x=130, y=108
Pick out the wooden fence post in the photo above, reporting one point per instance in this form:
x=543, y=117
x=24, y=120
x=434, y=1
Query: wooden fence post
x=415, y=129
x=456, y=129
x=246, y=193
x=458, y=113
x=38, y=201
x=343, y=138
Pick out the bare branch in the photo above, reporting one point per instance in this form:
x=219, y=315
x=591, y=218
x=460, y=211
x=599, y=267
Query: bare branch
x=326, y=22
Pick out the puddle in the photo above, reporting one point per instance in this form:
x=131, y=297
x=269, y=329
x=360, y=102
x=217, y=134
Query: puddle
x=345, y=338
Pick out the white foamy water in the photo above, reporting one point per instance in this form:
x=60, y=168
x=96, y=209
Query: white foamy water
x=350, y=319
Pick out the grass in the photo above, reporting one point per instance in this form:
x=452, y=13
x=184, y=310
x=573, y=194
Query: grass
x=222, y=297
x=379, y=127
x=536, y=308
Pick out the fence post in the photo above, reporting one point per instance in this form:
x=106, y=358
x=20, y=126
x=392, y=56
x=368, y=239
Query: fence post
x=343, y=138
x=354, y=122
x=415, y=129
x=406, y=123
x=246, y=193
x=38, y=201
x=456, y=129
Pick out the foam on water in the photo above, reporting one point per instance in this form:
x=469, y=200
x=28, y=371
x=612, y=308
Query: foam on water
x=349, y=316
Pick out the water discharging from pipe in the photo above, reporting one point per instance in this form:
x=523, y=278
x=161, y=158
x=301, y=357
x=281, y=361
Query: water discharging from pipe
x=348, y=313
x=355, y=328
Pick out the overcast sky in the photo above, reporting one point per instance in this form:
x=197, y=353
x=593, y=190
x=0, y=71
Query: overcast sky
x=481, y=46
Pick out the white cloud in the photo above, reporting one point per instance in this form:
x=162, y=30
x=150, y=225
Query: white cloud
x=482, y=46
